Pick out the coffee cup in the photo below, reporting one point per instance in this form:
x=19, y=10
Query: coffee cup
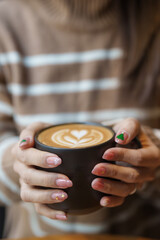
x=80, y=146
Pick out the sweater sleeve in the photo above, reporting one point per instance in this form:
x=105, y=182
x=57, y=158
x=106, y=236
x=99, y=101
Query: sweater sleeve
x=9, y=182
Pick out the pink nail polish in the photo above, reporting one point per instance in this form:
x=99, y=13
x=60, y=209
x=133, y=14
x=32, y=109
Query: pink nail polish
x=121, y=137
x=24, y=142
x=108, y=155
x=64, y=183
x=104, y=202
x=99, y=171
x=61, y=217
x=53, y=161
x=98, y=185
x=59, y=196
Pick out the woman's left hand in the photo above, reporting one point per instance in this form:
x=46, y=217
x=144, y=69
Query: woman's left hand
x=143, y=165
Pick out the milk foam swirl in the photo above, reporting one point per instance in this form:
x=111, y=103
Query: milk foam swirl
x=73, y=138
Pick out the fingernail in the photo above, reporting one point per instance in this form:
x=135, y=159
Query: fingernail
x=25, y=142
x=59, y=196
x=99, y=171
x=104, y=202
x=108, y=155
x=53, y=161
x=121, y=137
x=135, y=189
x=97, y=185
x=61, y=217
x=64, y=183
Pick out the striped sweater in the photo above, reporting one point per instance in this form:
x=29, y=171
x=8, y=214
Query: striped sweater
x=61, y=61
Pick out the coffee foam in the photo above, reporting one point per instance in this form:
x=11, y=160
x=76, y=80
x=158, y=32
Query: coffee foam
x=75, y=136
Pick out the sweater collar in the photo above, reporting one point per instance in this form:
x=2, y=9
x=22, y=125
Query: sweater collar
x=81, y=14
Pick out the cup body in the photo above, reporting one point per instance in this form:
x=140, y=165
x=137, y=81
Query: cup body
x=77, y=164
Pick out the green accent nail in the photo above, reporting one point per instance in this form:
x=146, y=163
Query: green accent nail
x=23, y=141
x=121, y=136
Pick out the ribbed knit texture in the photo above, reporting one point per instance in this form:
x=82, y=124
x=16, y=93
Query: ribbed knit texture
x=81, y=15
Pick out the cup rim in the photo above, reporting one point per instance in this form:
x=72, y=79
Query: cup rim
x=71, y=149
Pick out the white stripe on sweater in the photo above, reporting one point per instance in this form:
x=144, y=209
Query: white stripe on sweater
x=100, y=115
x=3, y=177
x=6, y=108
x=9, y=58
x=60, y=58
x=63, y=87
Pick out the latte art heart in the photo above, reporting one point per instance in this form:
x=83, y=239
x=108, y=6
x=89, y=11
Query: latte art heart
x=77, y=138
x=79, y=134
x=74, y=141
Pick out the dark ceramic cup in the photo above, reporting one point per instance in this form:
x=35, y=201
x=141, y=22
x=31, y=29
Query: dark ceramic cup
x=77, y=164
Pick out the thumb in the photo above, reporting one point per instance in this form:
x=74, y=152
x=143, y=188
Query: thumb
x=126, y=130
x=27, y=135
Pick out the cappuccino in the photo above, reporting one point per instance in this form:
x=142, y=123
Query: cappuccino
x=80, y=146
x=74, y=136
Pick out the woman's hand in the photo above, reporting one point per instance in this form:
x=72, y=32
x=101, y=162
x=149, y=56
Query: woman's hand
x=31, y=180
x=142, y=165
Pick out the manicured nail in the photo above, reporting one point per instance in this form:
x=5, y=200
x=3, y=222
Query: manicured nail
x=121, y=137
x=64, y=183
x=104, y=202
x=97, y=185
x=24, y=142
x=108, y=155
x=61, y=217
x=99, y=171
x=53, y=161
x=59, y=196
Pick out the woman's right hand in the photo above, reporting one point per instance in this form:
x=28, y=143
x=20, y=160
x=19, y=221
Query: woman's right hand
x=26, y=159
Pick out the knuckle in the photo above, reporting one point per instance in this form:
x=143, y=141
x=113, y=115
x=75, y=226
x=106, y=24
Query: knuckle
x=36, y=125
x=138, y=159
x=26, y=179
x=113, y=172
x=43, y=157
x=133, y=176
x=24, y=195
x=130, y=119
x=48, y=181
x=22, y=157
x=27, y=176
x=31, y=126
x=108, y=188
x=40, y=158
x=121, y=154
x=127, y=191
x=134, y=121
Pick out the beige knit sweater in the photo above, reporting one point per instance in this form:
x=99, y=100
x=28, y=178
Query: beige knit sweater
x=61, y=61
